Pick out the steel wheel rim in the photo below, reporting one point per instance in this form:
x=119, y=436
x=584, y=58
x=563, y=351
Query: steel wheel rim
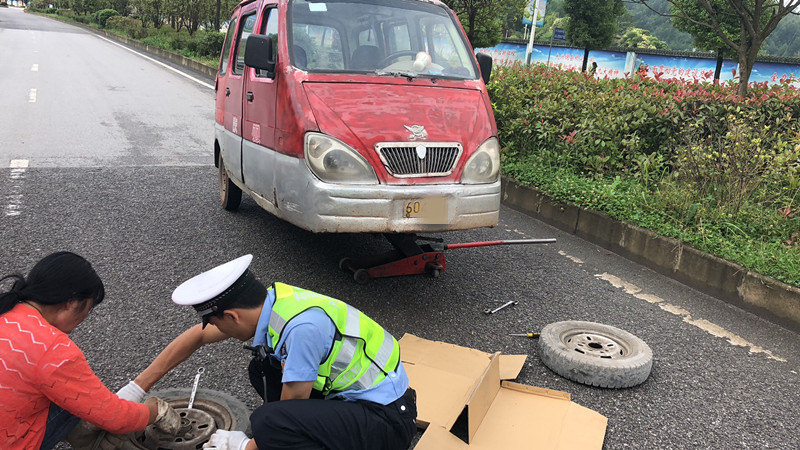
x=595, y=345
x=197, y=424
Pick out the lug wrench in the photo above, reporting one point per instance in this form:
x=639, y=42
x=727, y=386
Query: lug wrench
x=492, y=311
x=194, y=388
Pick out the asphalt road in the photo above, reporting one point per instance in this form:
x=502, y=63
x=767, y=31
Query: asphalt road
x=113, y=160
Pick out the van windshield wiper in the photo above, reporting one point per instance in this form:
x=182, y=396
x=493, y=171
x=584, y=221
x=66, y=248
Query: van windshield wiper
x=410, y=76
x=396, y=73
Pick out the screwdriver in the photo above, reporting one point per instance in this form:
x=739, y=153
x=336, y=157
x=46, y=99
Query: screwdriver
x=528, y=335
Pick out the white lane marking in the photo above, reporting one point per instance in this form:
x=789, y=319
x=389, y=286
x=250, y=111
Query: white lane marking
x=14, y=199
x=570, y=257
x=35, y=68
x=200, y=82
x=32, y=95
x=709, y=327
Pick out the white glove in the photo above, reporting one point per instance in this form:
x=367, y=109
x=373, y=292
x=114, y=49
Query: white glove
x=168, y=420
x=131, y=392
x=227, y=440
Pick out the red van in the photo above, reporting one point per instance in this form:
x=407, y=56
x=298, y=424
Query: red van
x=356, y=116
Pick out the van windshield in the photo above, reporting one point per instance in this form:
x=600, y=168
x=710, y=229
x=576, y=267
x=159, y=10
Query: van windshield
x=386, y=37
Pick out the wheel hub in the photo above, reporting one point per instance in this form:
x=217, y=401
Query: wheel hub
x=596, y=345
x=196, y=428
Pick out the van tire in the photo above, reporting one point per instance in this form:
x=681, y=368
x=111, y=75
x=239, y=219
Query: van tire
x=229, y=193
x=595, y=354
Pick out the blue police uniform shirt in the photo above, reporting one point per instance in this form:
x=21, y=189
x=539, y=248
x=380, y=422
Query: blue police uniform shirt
x=304, y=345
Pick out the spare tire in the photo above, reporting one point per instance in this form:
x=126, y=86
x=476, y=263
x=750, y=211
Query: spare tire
x=595, y=354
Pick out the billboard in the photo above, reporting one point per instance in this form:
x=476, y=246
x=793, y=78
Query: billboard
x=527, y=15
x=612, y=64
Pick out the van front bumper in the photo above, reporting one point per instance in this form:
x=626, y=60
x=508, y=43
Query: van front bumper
x=302, y=199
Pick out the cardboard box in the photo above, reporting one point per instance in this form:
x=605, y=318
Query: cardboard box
x=463, y=403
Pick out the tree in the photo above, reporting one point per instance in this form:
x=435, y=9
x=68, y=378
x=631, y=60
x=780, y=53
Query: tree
x=512, y=15
x=639, y=38
x=592, y=24
x=785, y=40
x=480, y=19
x=660, y=26
x=739, y=25
x=217, y=14
x=149, y=11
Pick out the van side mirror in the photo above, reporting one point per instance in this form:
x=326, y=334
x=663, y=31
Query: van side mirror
x=485, y=64
x=258, y=53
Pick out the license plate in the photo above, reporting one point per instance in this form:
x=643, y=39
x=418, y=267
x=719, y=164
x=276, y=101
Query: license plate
x=431, y=210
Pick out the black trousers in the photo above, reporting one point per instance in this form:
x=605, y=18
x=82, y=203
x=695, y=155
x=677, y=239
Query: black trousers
x=328, y=424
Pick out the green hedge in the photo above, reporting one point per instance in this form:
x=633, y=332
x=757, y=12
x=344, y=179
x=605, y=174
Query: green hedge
x=203, y=44
x=603, y=125
x=129, y=26
x=100, y=17
x=688, y=160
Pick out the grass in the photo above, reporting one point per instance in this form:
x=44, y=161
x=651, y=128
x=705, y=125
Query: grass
x=758, y=237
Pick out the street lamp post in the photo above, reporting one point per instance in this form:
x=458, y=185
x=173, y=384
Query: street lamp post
x=529, y=49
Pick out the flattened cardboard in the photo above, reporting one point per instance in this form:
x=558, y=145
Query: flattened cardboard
x=499, y=415
x=511, y=366
x=483, y=396
x=441, y=395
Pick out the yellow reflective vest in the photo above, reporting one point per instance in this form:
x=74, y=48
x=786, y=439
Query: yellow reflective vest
x=362, y=353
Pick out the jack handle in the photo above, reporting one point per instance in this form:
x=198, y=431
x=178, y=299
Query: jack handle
x=491, y=243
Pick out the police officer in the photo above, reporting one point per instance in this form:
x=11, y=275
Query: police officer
x=331, y=377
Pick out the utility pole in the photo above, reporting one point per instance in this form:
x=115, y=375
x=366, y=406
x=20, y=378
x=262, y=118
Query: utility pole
x=529, y=49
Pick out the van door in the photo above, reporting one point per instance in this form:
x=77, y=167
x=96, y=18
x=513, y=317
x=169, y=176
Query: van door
x=258, y=147
x=222, y=76
x=233, y=92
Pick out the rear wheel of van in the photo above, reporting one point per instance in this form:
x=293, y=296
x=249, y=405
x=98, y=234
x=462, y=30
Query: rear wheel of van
x=229, y=194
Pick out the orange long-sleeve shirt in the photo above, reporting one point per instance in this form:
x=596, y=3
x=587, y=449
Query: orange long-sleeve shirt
x=39, y=364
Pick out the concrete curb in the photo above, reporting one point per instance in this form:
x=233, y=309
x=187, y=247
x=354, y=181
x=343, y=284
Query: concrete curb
x=769, y=298
x=167, y=55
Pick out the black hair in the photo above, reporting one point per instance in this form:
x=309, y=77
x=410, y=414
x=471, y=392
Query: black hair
x=250, y=297
x=57, y=278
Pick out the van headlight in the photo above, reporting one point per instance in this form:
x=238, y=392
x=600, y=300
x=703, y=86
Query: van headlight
x=484, y=165
x=333, y=161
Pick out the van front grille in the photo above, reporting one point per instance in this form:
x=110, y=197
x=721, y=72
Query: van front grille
x=419, y=159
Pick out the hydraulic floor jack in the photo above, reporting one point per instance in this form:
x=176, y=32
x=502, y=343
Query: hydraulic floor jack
x=411, y=258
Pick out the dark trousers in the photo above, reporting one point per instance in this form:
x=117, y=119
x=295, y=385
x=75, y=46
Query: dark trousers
x=328, y=424
x=59, y=425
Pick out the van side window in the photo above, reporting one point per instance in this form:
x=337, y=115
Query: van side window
x=269, y=28
x=226, y=47
x=248, y=23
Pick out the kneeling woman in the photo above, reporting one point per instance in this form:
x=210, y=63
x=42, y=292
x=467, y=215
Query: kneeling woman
x=46, y=385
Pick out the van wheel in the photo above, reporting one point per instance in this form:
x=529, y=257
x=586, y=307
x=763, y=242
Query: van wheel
x=595, y=354
x=229, y=194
